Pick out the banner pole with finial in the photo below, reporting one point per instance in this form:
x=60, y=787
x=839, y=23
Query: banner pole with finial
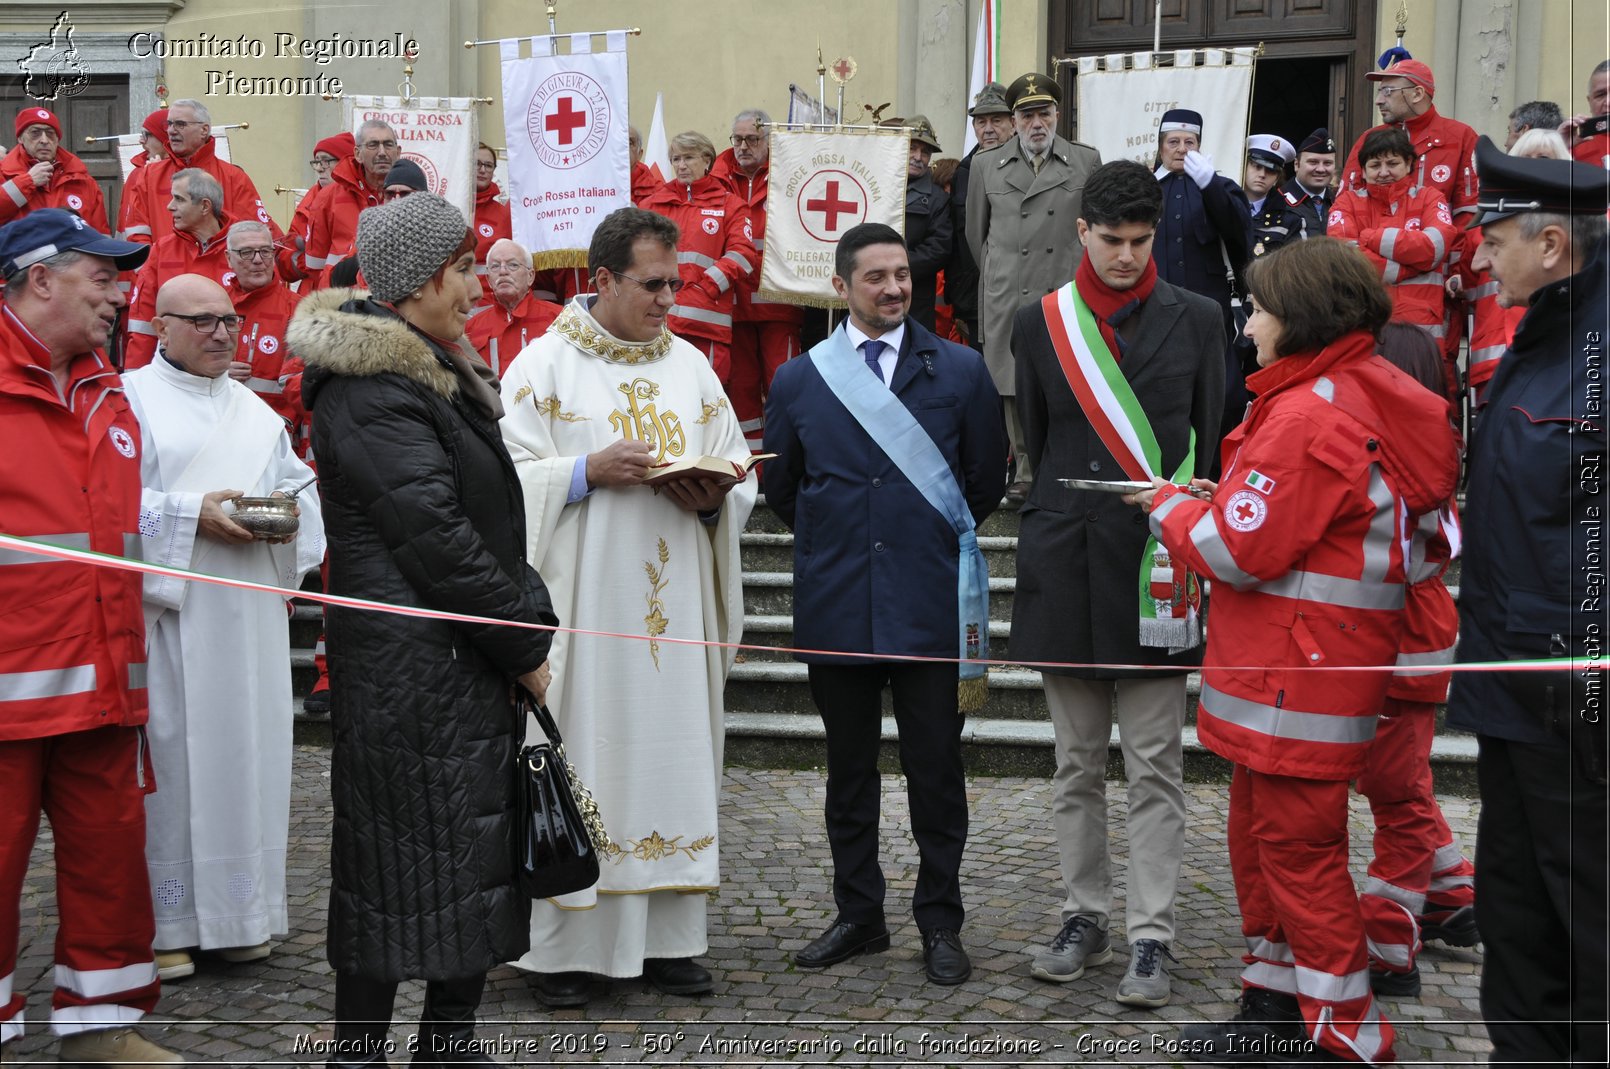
x=821, y=82
x=553, y=16
x=1157, y=27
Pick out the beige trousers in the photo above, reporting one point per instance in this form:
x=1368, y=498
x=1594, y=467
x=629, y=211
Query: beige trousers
x=1151, y=717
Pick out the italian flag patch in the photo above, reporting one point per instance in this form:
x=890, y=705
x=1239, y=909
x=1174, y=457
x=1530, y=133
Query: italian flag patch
x=1260, y=482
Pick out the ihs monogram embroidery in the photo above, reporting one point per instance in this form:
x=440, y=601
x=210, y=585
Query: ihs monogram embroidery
x=643, y=421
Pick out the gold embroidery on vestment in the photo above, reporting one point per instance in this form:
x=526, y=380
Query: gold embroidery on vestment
x=711, y=409
x=520, y=395
x=642, y=420
x=549, y=406
x=576, y=330
x=656, y=619
x=658, y=848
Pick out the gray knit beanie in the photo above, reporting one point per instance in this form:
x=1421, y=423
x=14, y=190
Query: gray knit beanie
x=403, y=242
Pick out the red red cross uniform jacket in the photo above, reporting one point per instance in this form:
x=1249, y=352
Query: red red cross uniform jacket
x=175, y=253
x=752, y=191
x=262, y=345
x=716, y=255
x=498, y=333
x=1407, y=233
x=143, y=215
x=70, y=187
x=1303, y=543
x=1446, y=161
x=491, y=223
x=291, y=261
x=335, y=220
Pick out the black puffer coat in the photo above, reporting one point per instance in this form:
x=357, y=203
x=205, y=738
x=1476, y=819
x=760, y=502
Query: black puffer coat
x=422, y=507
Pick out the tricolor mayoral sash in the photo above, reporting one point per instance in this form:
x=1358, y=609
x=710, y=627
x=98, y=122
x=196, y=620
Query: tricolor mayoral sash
x=1169, y=596
x=896, y=431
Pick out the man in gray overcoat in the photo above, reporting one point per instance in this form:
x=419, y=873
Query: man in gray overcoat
x=1022, y=201
x=1092, y=588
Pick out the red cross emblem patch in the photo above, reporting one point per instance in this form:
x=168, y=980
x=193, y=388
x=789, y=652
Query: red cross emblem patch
x=1246, y=511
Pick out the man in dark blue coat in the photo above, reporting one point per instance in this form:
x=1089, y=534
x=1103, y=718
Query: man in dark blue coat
x=1533, y=586
x=1204, y=235
x=876, y=572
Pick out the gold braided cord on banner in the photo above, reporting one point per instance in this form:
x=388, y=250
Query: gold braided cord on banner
x=801, y=300
x=557, y=258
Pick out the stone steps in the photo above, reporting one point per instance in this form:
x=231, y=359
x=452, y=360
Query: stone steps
x=771, y=720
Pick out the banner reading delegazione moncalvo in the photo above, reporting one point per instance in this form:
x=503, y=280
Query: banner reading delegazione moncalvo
x=822, y=183
x=438, y=133
x=567, y=132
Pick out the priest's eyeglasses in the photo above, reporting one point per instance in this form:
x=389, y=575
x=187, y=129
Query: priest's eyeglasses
x=655, y=285
x=207, y=324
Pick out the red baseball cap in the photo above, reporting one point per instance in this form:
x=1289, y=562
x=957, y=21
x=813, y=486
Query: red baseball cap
x=35, y=117
x=1415, y=72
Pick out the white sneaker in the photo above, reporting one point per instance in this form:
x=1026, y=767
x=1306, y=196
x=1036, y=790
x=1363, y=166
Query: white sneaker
x=175, y=964
x=115, y=1046
x=241, y=955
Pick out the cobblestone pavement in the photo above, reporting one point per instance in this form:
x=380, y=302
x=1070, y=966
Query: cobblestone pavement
x=775, y=896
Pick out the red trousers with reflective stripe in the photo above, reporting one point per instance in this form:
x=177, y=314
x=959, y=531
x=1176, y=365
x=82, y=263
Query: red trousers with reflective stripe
x=89, y=784
x=758, y=350
x=1299, y=911
x=719, y=353
x=1408, y=829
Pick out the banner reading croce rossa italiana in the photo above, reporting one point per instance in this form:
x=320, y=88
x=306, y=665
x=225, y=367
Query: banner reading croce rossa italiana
x=822, y=183
x=567, y=132
x=438, y=133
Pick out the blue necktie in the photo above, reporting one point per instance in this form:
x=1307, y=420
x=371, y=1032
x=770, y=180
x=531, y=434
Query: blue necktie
x=872, y=349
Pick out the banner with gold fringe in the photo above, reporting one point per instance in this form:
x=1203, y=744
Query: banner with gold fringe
x=438, y=133
x=823, y=182
x=566, y=126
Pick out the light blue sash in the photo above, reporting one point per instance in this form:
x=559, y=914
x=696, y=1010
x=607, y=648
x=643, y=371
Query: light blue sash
x=896, y=431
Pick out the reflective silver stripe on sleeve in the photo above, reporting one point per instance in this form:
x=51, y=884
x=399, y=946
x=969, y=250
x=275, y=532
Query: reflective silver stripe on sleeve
x=1437, y=243
x=1383, y=530
x=1210, y=545
x=1430, y=278
x=1287, y=723
x=740, y=260
x=700, y=315
x=1486, y=289
x=1438, y=331
x=142, y=326
x=1428, y=663
x=1335, y=590
x=314, y=263
x=713, y=273
x=136, y=675
x=48, y=683
x=1160, y=513
x=1389, y=242
x=15, y=194
x=1391, y=273
x=1486, y=353
x=133, y=547
x=76, y=540
x=137, y=231
x=760, y=245
x=257, y=385
x=698, y=259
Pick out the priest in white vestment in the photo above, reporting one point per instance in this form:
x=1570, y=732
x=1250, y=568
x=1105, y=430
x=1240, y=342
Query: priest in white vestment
x=604, y=394
x=220, y=678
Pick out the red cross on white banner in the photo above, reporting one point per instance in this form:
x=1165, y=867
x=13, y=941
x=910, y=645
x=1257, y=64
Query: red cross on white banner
x=830, y=202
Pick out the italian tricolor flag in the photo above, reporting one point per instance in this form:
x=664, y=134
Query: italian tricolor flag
x=986, y=49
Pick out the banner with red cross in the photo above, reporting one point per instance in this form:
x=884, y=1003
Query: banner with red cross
x=823, y=182
x=438, y=133
x=566, y=125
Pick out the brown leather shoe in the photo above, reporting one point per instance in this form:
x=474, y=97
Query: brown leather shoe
x=1018, y=493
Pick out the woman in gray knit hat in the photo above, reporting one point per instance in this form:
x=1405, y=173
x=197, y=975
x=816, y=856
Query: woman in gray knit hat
x=423, y=508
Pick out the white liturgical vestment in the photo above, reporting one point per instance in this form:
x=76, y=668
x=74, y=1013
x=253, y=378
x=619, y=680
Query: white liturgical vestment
x=220, y=678
x=642, y=718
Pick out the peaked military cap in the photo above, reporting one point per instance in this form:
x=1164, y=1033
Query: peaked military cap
x=1033, y=90
x=1270, y=151
x=1318, y=141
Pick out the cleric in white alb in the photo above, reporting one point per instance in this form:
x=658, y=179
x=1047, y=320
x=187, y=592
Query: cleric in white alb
x=220, y=685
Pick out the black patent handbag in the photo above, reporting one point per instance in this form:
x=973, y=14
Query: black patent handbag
x=559, y=834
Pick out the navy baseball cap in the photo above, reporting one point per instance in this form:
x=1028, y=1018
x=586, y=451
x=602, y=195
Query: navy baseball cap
x=41, y=234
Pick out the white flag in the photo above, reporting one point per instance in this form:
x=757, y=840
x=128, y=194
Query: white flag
x=438, y=133
x=657, y=150
x=823, y=183
x=570, y=159
x=1221, y=90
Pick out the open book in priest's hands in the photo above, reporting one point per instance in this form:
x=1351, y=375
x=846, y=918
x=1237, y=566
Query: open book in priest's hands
x=705, y=469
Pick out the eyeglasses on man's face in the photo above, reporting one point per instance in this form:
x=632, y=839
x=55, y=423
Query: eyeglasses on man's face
x=654, y=285
x=206, y=324
x=505, y=267
x=750, y=140
x=320, y=163
x=1388, y=90
x=374, y=145
x=180, y=124
x=264, y=253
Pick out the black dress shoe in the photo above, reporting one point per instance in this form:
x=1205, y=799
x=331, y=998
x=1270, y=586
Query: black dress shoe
x=562, y=990
x=841, y=942
x=942, y=953
x=678, y=976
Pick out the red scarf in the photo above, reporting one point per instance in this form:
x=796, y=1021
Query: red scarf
x=1111, y=306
